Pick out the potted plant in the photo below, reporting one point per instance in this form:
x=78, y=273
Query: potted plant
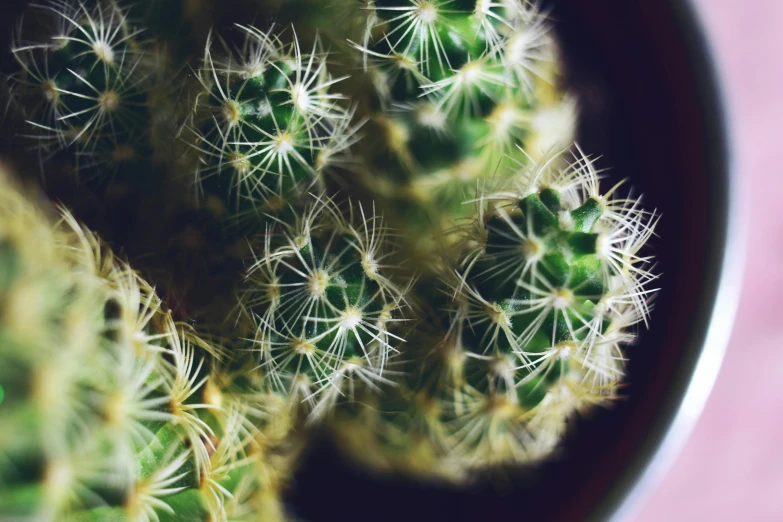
x=353, y=225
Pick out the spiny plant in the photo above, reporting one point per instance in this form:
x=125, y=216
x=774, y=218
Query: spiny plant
x=461, y=88
x=268, y=125
x=548, y=288
x=85, y=86
x=323, y=307
x=531, y=279
x=110, y=408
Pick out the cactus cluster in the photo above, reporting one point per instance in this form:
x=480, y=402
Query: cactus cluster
x=412, y=256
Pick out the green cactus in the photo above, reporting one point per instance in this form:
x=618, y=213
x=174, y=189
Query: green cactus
x=138, y=433
x=85, y=86
x=268, y=125
x=462, y=88
x=323, y=306
x=545, y=293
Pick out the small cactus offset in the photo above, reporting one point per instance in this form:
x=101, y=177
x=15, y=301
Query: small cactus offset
x=323, y=307
x=352, y=218
x=462, y=88
x=269, y=125
x=86, y=86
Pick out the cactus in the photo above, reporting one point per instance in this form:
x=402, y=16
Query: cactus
x=268, y=127
x=324, y=307
x=85, y=86
x=462, y=87
x=467, y=340
x=545, y=294
x=139, y=433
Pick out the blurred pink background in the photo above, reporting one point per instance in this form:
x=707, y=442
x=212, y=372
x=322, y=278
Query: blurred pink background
x=731, y=469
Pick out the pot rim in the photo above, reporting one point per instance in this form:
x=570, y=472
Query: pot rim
x=672, y=430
